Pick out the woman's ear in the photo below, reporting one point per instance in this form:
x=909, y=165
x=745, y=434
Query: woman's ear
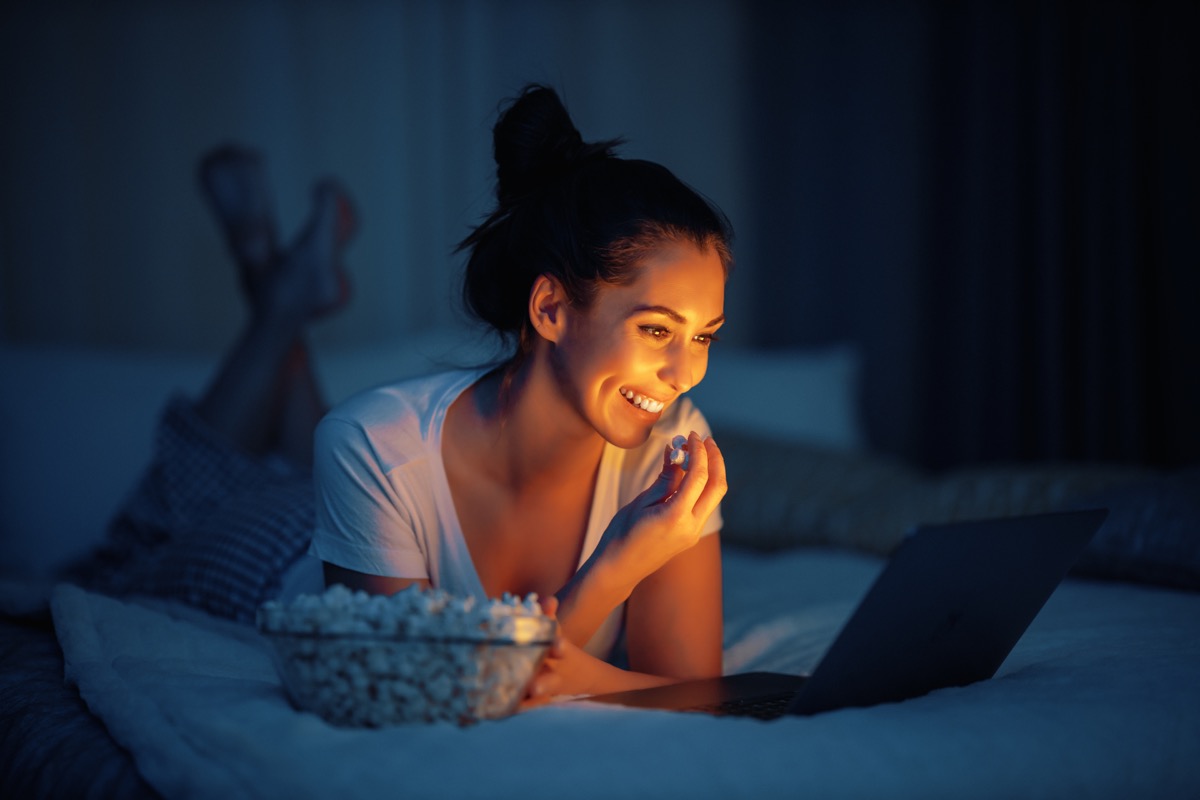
x=547, y=307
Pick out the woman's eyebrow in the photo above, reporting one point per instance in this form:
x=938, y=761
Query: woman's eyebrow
x=673, y=314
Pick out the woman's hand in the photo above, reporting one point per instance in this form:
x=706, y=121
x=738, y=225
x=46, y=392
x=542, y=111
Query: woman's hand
x=657, y=525
x=564, y=670
x=564, y=673
x=669, y=516
x=569, y=671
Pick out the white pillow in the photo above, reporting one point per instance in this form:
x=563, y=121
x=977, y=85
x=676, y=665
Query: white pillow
x=804, y=395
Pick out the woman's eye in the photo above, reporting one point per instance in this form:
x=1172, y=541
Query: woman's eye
x=660, y=334
x=656, y=332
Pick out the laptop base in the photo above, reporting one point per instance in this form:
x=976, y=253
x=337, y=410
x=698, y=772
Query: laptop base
x=765, y=695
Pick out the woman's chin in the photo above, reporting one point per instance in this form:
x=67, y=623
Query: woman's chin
x=628, y=436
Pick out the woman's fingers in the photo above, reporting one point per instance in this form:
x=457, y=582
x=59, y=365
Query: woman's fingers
x=716, y=485
x=669, y=515
x=547, y=682
x=699, y=489
x=704, y=485
x=665, y=485
x=567, y=670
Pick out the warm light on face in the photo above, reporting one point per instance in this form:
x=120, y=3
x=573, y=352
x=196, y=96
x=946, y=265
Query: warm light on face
x=642, y=345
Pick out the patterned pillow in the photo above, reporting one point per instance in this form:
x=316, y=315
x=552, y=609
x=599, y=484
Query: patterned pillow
x=787, y=495
x=1152, y=534
x=208, y=525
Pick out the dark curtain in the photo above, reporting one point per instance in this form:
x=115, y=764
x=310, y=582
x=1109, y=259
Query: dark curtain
x=1006, y=215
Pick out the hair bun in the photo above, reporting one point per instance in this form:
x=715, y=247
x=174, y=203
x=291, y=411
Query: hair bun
x=535, y=142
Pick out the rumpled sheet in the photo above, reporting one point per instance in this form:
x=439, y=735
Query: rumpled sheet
x=1101, y=698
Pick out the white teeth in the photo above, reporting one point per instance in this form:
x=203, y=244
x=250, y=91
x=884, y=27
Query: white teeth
x=643, y=402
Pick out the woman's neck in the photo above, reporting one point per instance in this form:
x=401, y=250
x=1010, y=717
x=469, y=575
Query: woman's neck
x=531, y=433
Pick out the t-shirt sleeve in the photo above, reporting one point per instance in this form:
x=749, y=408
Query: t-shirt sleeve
x=362, y=523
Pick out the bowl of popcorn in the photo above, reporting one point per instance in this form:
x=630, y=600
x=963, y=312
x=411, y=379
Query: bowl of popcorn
x=360, y=660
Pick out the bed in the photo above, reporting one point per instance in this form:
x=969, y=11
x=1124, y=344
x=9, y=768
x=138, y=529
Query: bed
x=141, y=698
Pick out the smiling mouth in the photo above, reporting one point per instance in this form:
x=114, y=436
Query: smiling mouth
x=643, y=402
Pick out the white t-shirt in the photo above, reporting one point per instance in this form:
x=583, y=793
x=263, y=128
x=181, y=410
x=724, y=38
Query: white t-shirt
x=383, y=501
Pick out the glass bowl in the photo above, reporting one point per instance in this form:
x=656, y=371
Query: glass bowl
x=374, y=680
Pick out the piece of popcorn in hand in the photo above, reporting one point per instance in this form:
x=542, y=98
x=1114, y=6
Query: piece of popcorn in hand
x=679, y=451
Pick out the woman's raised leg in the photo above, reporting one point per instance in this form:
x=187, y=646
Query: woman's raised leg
x=264, y=396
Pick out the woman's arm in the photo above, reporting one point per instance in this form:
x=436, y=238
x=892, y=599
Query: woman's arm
x=371, y=584
x=657, y=527
x=675, y=619
x=673, y=633
x=569, y=671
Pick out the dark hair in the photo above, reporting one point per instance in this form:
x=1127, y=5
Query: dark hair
x=572, y=210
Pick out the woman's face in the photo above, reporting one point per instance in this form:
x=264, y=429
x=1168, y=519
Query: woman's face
x=629, y=356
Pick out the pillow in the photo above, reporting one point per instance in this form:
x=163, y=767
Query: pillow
x=981, y=492
x=210, y=526
x=805, y=396
x=785, y=495
x=1152, y=534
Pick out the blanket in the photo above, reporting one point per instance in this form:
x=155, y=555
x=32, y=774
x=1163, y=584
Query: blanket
x=1098, y=699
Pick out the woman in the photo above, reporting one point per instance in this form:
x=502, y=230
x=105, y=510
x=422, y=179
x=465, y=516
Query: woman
x=609, y=274
x=547, y=474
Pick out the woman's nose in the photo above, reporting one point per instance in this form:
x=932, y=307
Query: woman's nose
x=679, y=371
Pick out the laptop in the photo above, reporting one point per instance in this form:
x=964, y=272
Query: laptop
x=946, y=610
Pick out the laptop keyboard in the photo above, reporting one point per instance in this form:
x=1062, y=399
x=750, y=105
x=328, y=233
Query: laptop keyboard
x=769, y=707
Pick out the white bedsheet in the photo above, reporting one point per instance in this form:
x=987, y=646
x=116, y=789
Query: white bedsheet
x=1101, y=698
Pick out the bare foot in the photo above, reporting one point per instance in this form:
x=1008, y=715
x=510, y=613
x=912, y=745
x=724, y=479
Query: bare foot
x=309, y=279
x=234, y=181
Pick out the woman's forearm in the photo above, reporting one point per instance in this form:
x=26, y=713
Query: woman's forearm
x=608, y=678
x=571, y=672
x=589, y=597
